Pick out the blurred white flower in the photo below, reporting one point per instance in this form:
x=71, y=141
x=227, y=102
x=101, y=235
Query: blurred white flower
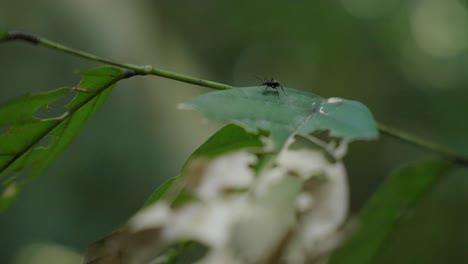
x=293, y=209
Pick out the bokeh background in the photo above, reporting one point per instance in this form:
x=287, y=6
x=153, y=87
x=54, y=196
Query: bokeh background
x=406, y=60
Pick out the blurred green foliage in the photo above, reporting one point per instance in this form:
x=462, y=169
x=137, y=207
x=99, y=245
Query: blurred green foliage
x=406, y=60
x=387, y=210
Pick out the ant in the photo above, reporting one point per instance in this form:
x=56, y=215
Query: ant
x=271, y=83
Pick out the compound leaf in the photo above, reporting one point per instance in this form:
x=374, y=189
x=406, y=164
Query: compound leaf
x=296, y=112
x=20, y=144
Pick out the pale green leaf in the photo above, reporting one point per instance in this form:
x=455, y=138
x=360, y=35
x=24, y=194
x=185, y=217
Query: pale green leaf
x=296, y=112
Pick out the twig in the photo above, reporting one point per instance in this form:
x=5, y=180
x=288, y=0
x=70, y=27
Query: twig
x=141, y=70
x=426, y=145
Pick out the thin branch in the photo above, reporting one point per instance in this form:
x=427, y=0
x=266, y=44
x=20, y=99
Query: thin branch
x=150, y=70
x=141, y=70
x=426, y=145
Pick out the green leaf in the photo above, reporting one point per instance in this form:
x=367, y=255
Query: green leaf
x=227, y=139
x=387, y=208
x=20, y=144
x=161, y=191
x=298, y=112
x=21, y=109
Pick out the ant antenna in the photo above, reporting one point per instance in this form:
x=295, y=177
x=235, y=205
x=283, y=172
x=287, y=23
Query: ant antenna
x=261, y=79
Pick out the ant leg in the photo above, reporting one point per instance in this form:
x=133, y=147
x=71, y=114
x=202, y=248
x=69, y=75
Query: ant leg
x=283, y=90
x=264, y=91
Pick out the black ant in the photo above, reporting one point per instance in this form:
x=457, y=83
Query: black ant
x=271, y=83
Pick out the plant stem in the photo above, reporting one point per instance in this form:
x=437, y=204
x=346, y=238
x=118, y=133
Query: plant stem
x=149, y=70
x=426, y=145
x=140, y=70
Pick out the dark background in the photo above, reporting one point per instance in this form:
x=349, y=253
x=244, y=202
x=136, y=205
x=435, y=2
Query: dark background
x=406, y=60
